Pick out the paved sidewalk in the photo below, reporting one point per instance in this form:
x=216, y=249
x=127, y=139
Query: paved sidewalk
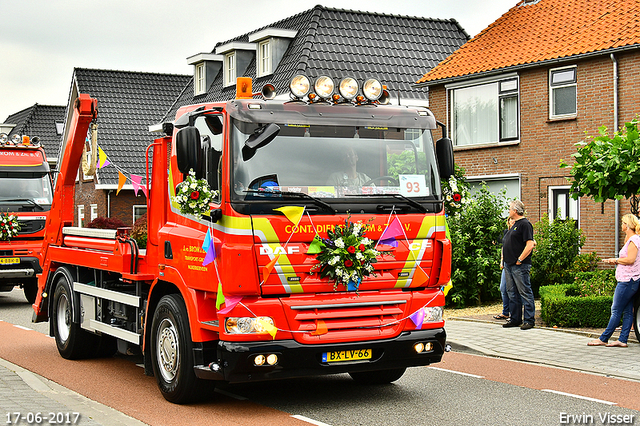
x=545, y=346
x=28, y=394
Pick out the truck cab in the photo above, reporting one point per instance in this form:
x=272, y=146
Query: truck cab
x=26, y=195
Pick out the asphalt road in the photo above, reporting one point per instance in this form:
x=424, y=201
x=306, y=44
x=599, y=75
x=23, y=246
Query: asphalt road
x=464, y=389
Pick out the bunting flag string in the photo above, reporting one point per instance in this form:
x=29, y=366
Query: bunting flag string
x=123, y=175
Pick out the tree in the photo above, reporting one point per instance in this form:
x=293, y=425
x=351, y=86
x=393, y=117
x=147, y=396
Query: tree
x=607, y=168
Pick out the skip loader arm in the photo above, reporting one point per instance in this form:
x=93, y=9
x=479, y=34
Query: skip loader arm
x=85, y=110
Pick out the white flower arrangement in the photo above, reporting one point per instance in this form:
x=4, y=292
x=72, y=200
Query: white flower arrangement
x=9, y=226
x=194, y=195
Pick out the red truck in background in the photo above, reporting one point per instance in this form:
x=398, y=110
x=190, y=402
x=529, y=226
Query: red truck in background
x=237, y=294
x=25, y=194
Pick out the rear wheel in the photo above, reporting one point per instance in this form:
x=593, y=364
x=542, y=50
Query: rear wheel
x=172, y=351
x=636, y=317
x=72, y=341
x=30, y=290
x=377, y=377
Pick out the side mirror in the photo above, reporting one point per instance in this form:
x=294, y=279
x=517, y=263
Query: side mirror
x=261, y=137
x=444, y=154
x=188, y=151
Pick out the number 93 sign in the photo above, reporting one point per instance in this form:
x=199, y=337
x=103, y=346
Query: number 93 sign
x=413, y=186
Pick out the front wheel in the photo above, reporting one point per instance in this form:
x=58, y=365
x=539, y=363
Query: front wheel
x=30, y=289
x=172, y=351
x=377, y=377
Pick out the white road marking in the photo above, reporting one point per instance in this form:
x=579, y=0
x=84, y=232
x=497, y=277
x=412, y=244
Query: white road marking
x=308, y=420
x=22, y=328
x=457, y=372
x=580, y=397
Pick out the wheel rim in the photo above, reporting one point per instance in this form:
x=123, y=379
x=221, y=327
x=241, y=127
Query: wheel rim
x=63, y=318
x=167, y=350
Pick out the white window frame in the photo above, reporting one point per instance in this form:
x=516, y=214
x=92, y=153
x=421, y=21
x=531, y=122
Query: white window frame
x=200, y=79
x=555, y=190
x=81, y=216
x=561, y=85
x=264, y=58
x=94, y=212
x=230, y=69
x=506, y=86
x=136, y=208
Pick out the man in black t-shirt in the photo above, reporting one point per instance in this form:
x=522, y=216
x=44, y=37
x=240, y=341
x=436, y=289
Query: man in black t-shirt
x=516, y=250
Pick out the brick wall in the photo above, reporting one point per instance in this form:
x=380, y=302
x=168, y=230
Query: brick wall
x=543, y=142
x=121, y=204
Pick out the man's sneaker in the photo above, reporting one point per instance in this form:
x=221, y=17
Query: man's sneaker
x=511, y=324
x=526, y=326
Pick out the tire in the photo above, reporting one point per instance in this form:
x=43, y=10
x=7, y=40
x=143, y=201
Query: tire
x=381, y=377
x=30, y=289
x=172, y=352
x=72, y=341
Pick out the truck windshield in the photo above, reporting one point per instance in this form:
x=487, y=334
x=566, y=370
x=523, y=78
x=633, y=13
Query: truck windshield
x=336, y=162
x=21, y=193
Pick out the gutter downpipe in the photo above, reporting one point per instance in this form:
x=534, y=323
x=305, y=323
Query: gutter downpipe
x=615, y=127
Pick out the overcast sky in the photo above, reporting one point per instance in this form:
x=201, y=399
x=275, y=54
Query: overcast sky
x=42, y=41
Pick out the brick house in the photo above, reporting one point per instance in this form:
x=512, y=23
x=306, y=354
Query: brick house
x=43, y=121
x=325, y=41
x=518, y=96
x=128, y=103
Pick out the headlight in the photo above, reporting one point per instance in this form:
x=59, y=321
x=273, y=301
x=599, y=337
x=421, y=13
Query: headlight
x=372, y=89
x=348, y=88
x=300, y=86
x=433, y=314
x=246, y=325
x=324, y=87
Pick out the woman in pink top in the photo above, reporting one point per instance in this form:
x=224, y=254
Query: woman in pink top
x=628, y=277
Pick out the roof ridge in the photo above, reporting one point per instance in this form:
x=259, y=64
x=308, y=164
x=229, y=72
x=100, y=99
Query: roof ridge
x=309, y=38
x=129, y=72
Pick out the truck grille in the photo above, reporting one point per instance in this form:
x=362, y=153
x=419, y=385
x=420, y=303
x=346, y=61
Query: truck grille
x=361, y=319
x=31, y=226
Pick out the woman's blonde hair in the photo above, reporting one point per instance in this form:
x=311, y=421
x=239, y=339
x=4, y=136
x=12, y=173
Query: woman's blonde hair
x=632, y=222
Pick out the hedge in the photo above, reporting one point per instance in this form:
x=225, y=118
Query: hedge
x=562, y=305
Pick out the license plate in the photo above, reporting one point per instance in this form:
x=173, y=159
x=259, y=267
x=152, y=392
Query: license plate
x=9, y=260
x=351, y=355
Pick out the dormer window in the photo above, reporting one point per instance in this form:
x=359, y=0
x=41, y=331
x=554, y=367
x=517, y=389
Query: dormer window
x=200, y=80
x=264, y=58
x=230, y=69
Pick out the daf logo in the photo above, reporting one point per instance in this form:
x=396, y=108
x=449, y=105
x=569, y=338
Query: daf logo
x=279, y=250
x=420, y=245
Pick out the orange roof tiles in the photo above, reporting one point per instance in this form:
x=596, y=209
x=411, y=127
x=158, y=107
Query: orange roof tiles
x=545, y=30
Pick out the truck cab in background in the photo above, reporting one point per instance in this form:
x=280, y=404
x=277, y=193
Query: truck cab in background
x=26, y=194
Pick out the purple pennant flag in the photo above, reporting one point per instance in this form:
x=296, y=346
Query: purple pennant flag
x=211, y=253
x=389, y=242
x=417, y=317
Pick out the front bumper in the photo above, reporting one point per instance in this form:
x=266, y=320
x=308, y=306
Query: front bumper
x=233, y=361
x=28, y=267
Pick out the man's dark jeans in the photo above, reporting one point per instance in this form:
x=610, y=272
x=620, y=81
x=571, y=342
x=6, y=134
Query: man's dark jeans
x=519, y=283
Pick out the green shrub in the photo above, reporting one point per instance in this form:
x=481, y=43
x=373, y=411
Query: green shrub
x=475, y=233
x=585, y=262
x=562, y=305
x=596, y=283
x=557, y=245
x=106, y=223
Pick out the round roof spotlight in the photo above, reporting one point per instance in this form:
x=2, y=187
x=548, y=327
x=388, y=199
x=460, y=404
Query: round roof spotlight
x=349, y=88
x=4, y=138
x=299, y=86
x=372, y=89
x=324, y=87
x=16, y=139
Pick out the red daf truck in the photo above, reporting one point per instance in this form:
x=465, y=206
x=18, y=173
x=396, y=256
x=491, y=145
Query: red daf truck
x=240, y=292
x=25, y=196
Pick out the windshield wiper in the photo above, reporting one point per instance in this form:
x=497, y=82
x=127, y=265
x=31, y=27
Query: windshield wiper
x=315, y=200
x=409, y=201
x=29, y=200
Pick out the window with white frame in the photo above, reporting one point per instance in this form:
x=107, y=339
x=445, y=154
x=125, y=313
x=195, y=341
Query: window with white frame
x=561, y=205
x=486, y=112
x=138, y=212
x=563, y=92
x=230, y=69
x=81, y=216
x=199, y=83
x=94, y=211
x=264, y=58
x=507, y=185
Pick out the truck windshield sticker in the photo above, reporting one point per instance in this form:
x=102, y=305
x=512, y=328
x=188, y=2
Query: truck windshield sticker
x=20, y=158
